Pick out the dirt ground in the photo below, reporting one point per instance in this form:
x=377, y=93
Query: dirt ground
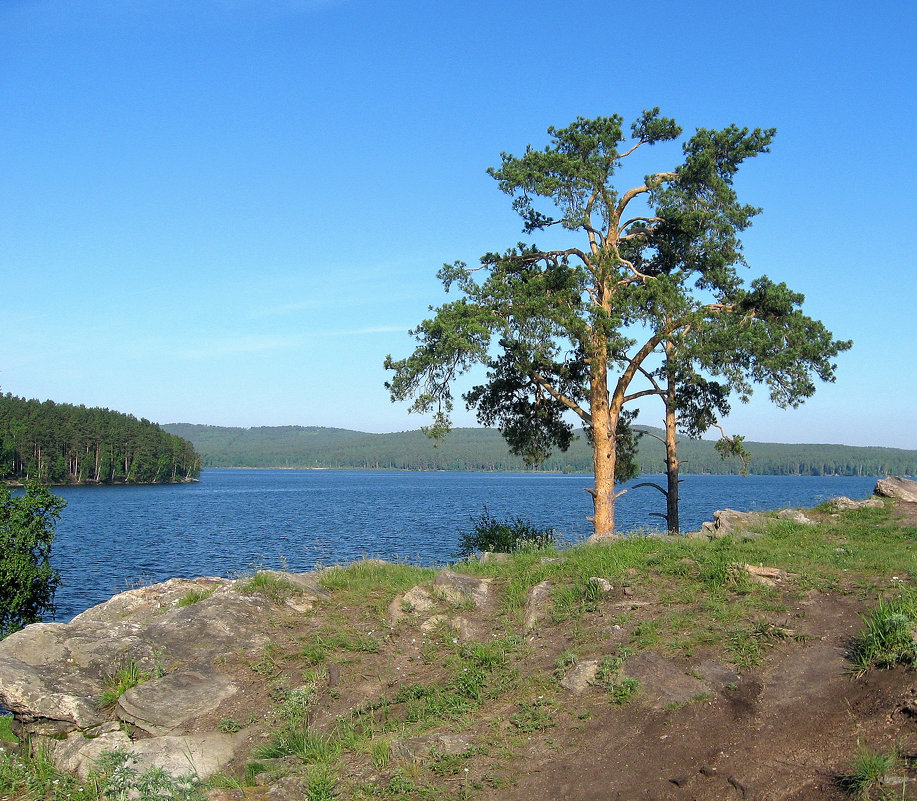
x=787, y=731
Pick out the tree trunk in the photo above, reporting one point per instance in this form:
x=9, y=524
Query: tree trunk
x=604, y=431
x=671, y=458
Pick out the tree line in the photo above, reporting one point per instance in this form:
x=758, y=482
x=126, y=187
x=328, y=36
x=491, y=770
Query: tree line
x=58, y=443
x=482, y=449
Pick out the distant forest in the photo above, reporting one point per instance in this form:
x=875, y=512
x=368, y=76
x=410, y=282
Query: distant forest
x=484, y=449
x=63, y=444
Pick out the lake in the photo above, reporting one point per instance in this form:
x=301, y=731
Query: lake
x=234, y=521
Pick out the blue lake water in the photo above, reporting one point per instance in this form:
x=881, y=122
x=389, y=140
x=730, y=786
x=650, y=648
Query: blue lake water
x=232, y=521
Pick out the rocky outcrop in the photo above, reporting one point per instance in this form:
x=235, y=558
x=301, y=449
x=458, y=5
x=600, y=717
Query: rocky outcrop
x=730, y=521
x=896, y=487
x=845, y=504
x=174, y=636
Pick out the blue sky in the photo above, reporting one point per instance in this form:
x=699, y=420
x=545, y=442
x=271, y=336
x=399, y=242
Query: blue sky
x=230, y=211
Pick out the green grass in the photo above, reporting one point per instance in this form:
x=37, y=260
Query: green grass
x=274, y=587
x=888, y=638
x=869, y=768
x=6, y=729
x=192, y=597
x=119, y=683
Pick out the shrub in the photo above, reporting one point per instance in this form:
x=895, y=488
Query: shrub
x=490, y=534
x=27, y=579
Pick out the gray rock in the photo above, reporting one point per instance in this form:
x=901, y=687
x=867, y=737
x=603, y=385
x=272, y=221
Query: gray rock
x=305, y=583
x=200, y=754
x=53, y=674
x=535, y=604
x=460, y=588
x=79, y=754
x=417, y=748
x=495, y=556
x=730, y=521
x=663, y=680
x=604, y=585
x=416, y=600
x=796, y=516
x=581, y=676
x=896, y=487
x=844, y=504
x=162, y=706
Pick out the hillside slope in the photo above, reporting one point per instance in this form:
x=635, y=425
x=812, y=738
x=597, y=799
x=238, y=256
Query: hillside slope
x=485, y=449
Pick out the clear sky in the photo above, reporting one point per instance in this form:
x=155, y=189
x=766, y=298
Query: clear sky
x=230, y=211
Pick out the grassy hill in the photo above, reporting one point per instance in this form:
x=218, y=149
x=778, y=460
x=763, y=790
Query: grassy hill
x=484, y=449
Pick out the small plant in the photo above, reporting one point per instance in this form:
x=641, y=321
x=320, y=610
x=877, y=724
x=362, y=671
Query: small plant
x=274, y=587
x=229, y=726
x=620, y=688
x=536, y=716
x=119, y=683
x=381, y=753
x=121, y=780
x=192, y=597
x=889, y=636
x=868, y=770
x=490, y=534
x=320, y=784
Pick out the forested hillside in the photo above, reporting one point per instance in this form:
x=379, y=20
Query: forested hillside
x=484, y=449
x=63, y=444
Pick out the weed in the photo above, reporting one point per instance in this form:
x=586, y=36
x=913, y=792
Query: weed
x=192, y=597
x=381, y=753
x=889, y=636
x=229, y=726
x=536, y=716
x=320, y=784
x=868, y=770
x=274, y=587
x=119, y=683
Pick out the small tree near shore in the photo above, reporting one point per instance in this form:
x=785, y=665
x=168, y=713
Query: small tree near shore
x=27, y=579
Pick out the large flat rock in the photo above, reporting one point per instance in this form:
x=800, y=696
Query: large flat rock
x=164, y=705
x=896, y=487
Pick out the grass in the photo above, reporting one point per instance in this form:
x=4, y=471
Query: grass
x=888, y=638
x=868, y=772
x=276, y=588
x=120, y=682
x=6, y=730
x=192, y=597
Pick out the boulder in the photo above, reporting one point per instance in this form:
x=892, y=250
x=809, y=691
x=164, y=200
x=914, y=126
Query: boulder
x=53, y=675
x=730, y=521
x=417, y=748
x=845, y=504
x=796, y=516
x=896, y=487
x=416, y=600
x=581, y=676
x=663, y=680
x=164, y=705
x=459, y=588
x=535, y=605
x=769, y=576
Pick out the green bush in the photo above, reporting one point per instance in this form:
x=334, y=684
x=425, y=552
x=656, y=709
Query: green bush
x=503, y=536
x=27, y=579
